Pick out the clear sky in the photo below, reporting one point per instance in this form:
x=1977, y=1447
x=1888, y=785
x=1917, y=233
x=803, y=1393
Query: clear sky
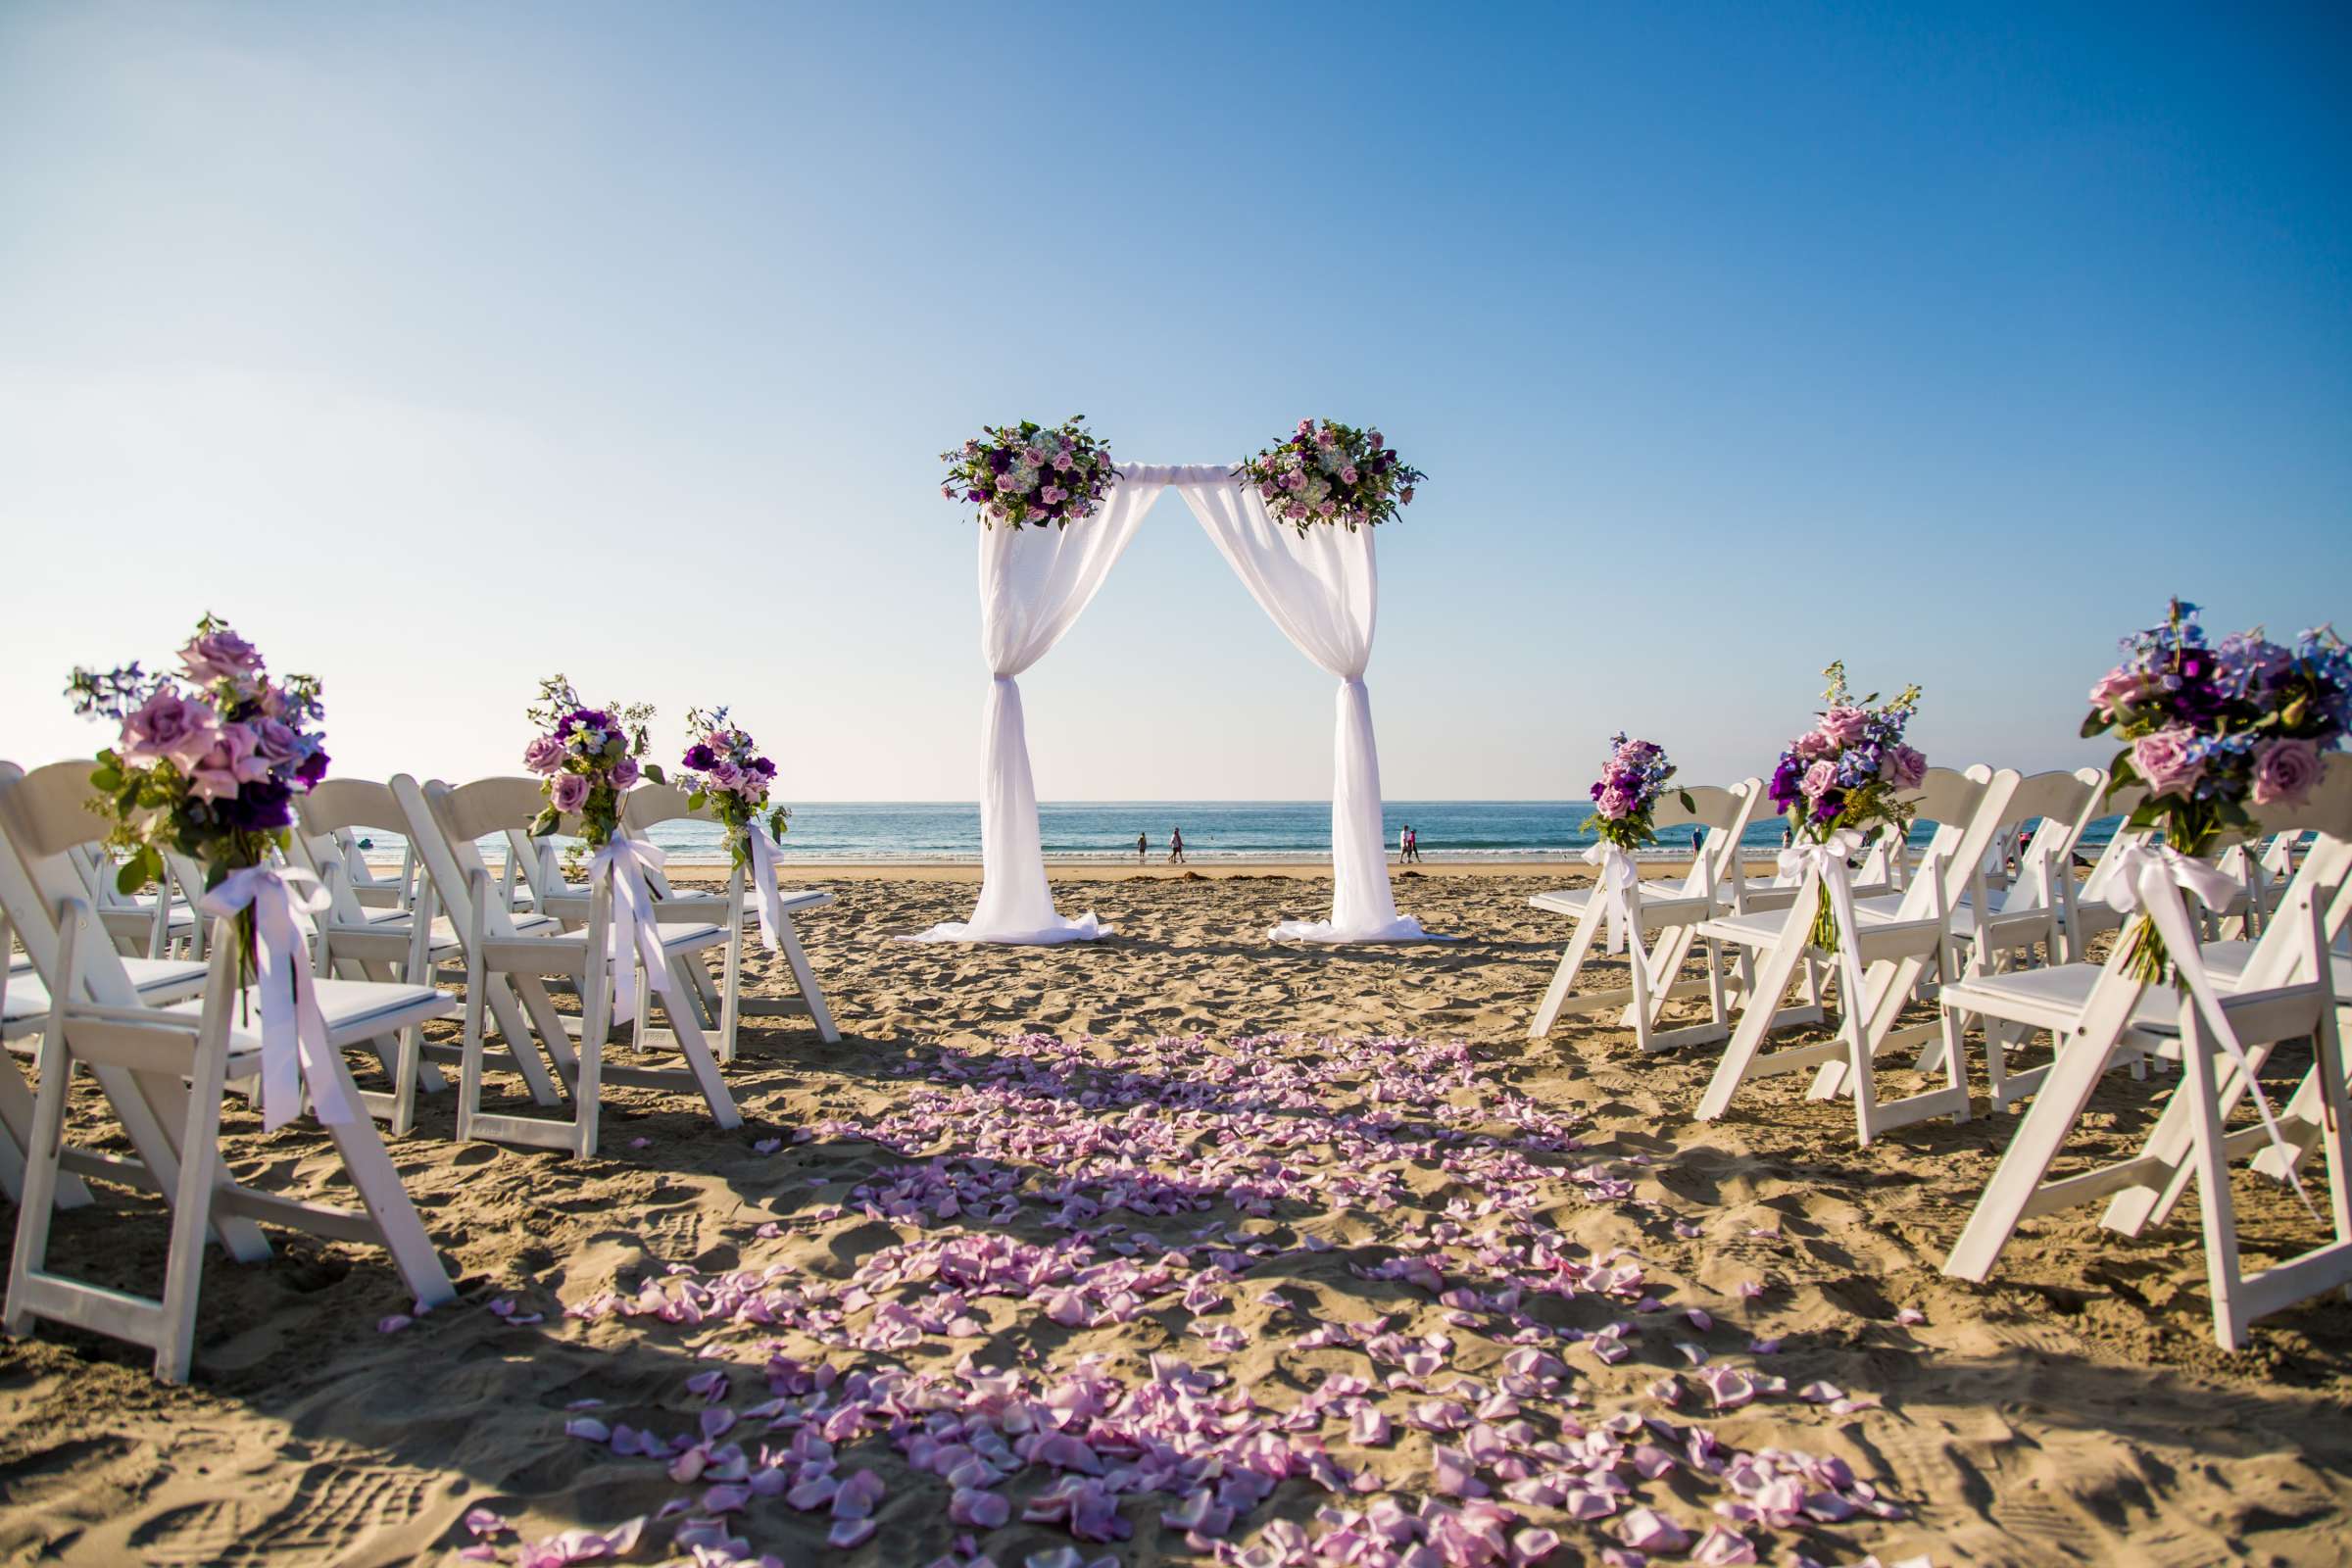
x=443, y=346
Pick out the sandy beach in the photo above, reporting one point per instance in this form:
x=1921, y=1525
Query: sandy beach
x=1288, y=1194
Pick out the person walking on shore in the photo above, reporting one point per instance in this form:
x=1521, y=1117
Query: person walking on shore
x=1404, y=844
x=1142, y=846
x=1176, y=846
x=1412, y=845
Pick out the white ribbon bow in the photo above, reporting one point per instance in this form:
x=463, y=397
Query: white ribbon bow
x=636, y=934
x=294, y=1046
x=1616, y=883
x=2149, y=880
x=764, y=850
x=1828, y=860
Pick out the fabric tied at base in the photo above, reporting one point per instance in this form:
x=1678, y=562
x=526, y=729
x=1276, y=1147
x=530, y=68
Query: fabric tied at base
x=1828, y=861
x=764, y=887
x=2150, y=880
x=635, y=936
x=294, y=1044
x=1618, y=878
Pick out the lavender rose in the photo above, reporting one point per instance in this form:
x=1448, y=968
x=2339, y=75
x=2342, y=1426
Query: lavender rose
x=1843, y=726
x=168, y=728
x=1615, y=803
x=1903, y=767
x=726, y=773
x=1819, y=779
x=274, y=743
x=220, y=655
x=2285, y=773
x=569, y=792
x=624, y=772
x=2116, y=691
x=2167, y=760
x=544, y=755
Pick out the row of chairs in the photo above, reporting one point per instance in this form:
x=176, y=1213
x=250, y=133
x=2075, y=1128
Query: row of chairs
x=1992, y=929
x=136, y=993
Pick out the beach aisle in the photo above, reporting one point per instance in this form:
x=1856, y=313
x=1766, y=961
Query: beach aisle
x=1117, y=1251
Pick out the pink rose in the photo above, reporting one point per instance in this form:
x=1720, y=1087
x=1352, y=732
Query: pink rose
x=2116, y=691
x=1377, y=439
x=1819, y=779
x=168, y=726
x=220, y=655
x=1328, y=508
x=1813, y=743
x=1306, y=426
x=544, y=755
x=726, y=774
x=229, y=763
x=1615, y=803
x=2285, y=773
x=1405, y=495
x=1842, y=726
x=1903, y=767
x=1348, y=474
x=624, y=772
x=569, y=792
x=2164, y=761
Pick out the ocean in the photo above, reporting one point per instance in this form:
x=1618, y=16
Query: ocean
x=862, y=831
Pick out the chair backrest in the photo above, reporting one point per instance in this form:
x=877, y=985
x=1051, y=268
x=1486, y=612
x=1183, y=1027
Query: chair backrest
x=337, y=804
x=444, y=822
x=1724, y=811
x=2064, y=804
x=44, y=816
x=1966, y=808
x=649, y=803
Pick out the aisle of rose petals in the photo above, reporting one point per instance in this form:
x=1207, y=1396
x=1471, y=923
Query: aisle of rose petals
x=1187, y=1182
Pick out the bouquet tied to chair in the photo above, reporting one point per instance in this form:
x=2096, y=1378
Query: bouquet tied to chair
x=1625, y=798
x=205, y=766
x=727, y=773
x=2207, y=731
x=1840, y=785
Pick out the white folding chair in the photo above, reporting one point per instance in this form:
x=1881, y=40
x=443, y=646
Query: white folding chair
x=165, y=1070
x=1674, y=908
x=155, y=925
x=507, y=965
x=650, y=804
x=2283, y=990
x=1894, y=946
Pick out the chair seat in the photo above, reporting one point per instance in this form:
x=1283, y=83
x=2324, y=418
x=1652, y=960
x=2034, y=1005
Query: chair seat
x=354, y=1009
x=1662, y=901
x=2225, y=961
x=156, y=980
x=678, y=937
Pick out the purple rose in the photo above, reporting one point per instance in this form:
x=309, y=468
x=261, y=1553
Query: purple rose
x=168, y=726
x=569, y=792
x=260, y=808
x=1825, y=809
x=1376, y=440
x=1348, y=474
x=2167, y=762
x=699, y=755
x=1903, y=767
x=763, y=768
x=1819, y=779
x=2284, y=771
x=312, y=769
x=724, y=774
x=220, y=655
x=624, y=772
x=544, y=755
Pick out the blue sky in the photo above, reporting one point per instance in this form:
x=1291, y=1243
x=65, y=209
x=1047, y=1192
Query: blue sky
x=444, y=346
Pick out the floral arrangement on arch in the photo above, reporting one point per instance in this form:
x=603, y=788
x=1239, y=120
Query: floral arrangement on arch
x=725, y=771
x=588, y=757
x=208, y=758
x=2209, y=729
x=1632, y=783
x=1331, y=473
x=1031, y=473
x=1846, y=774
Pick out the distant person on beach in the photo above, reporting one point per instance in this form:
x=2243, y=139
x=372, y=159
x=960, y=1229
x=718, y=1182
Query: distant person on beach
x=1412, y=845
x=1785, y=838
x=1404, y=843
x=1175, y=846
x=1142, y=846
x=1694, y=843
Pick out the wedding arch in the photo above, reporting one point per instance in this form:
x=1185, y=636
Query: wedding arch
x=1319, y=583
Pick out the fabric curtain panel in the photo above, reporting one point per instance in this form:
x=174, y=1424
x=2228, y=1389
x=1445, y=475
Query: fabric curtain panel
x=1323, y=590
x=1034, y=584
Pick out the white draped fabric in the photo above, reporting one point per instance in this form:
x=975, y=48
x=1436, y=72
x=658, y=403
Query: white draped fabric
x=1034, y=584
x=1323, y=590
